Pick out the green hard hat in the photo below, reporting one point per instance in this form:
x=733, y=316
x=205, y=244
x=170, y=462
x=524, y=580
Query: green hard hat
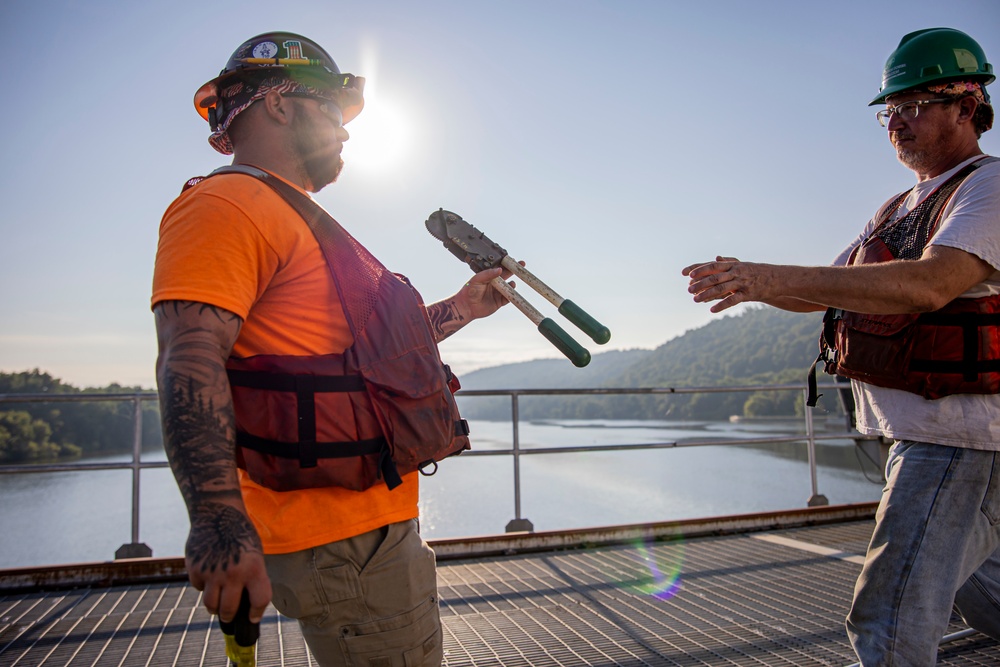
x=934, y=54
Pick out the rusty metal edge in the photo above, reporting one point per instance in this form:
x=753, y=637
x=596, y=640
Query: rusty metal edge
x=134, y=571
x=123, y=572
x=527, y=542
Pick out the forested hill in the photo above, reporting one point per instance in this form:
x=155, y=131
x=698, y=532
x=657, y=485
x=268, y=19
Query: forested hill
x=556, y=373
x=762, y=345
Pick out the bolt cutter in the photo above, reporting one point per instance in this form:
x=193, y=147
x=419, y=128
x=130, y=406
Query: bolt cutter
x=480, y=252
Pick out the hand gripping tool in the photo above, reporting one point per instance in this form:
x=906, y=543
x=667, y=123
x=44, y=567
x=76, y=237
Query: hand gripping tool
x=241, y=636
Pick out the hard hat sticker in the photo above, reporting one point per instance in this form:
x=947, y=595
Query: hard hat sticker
x=265, y=50
x=967, y=61
x=893, y=72
x=294, y=50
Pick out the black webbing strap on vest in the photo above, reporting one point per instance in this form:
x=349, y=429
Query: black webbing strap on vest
x=826, y=353
x=289, y=381
x=307, y=450
x=321, y=450
x=971, y=365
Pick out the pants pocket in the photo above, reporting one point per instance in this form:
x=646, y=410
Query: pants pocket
x=307, y=593
x=411, y=639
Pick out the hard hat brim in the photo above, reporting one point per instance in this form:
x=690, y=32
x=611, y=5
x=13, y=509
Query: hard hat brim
x=206, y=97
x=350, y=100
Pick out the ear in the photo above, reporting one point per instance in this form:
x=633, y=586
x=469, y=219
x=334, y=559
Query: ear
x=278, y=107
x=967, y=108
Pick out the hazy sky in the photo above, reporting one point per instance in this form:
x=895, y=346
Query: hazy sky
x=608, y=144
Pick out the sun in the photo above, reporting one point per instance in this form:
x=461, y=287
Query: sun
x=380, y=135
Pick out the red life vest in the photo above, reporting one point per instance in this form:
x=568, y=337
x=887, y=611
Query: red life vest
x=954, y=350
x=382, y=409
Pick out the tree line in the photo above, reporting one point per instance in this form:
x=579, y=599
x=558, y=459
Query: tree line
x=759, y=346
x=42, y=431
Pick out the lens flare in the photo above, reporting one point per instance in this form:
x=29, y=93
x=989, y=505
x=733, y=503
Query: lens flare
x=664, y=563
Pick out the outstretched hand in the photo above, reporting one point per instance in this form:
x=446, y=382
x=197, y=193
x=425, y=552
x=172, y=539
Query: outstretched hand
x=726, y=280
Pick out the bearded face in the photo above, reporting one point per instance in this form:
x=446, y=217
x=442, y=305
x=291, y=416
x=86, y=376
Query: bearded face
x=923, y=140
x=920, y=154
x=316, y=140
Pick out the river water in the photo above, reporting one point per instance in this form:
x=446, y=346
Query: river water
x=83, y=516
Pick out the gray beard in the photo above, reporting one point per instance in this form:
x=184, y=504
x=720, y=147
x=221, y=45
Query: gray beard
x=913, y=160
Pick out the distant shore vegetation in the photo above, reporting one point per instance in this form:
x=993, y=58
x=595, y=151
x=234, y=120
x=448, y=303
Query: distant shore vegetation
x=39, y=432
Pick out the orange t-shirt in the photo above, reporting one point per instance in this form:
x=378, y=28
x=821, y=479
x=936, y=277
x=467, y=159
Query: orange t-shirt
x=234, y=243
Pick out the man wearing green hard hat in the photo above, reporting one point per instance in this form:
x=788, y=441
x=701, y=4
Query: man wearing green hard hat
x=913, y=320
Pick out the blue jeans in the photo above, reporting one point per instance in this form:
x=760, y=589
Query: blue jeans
x=936, y=545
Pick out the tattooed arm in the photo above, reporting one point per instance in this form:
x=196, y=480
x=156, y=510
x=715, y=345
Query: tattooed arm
x=476, y=299
x=223, y=554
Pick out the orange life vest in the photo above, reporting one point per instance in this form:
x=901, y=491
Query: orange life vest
x=383, y=408
x=954, y=350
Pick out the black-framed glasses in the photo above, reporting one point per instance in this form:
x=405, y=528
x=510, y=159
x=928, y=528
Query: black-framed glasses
x=907, y=110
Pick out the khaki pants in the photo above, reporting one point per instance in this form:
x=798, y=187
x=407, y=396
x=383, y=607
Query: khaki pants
x=367, y=601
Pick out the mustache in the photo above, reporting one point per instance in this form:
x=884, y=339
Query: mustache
x=898, y=135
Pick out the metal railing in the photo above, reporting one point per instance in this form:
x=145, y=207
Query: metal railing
x=134, y=549
x=138, y=549
x=810, y=437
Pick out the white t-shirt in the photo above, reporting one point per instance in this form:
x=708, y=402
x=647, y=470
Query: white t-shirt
x=970, y=222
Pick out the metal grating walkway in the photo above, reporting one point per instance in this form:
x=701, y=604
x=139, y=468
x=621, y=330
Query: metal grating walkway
x=770, y=598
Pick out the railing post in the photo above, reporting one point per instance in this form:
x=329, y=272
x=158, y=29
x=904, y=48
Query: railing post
x=135, y=549
x=517, y=524
x=816, y=498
